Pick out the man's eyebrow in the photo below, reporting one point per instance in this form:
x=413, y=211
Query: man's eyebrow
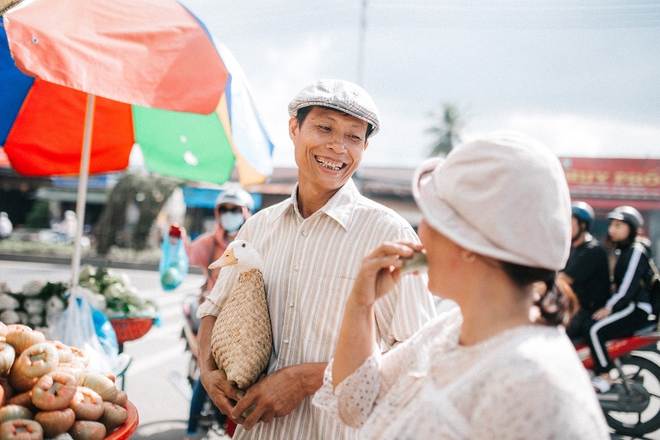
x=334, y=119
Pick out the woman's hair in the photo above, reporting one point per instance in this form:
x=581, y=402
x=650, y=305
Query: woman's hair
x=557, y=304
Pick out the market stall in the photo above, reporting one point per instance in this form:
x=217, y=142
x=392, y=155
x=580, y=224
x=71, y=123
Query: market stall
x=48, y=389
x=39, y=304
x=46, y=313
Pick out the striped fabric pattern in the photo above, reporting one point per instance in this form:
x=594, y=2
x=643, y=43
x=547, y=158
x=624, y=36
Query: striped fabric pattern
x=310, y=267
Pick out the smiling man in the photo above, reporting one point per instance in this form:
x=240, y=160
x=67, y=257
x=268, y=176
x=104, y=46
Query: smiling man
x=312, y=245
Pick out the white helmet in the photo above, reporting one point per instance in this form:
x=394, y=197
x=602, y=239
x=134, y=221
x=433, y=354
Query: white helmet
x=235, y=196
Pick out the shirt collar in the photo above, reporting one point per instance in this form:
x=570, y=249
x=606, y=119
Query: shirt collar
x=340, y=207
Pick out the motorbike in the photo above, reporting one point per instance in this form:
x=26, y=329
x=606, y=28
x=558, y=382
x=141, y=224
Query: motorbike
x=210, y=417
x=632, y=405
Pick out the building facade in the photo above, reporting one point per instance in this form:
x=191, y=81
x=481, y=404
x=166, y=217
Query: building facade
x=608, y=183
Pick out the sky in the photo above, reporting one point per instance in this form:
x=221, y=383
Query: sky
x=583, y=76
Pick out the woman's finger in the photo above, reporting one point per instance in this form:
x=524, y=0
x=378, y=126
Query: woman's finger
x=401, y=249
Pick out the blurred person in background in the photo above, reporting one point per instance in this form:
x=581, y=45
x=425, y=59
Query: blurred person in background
x=5, y=225
x=68, y=227
x=629, y=307
x=232, y=207
x=587, y=270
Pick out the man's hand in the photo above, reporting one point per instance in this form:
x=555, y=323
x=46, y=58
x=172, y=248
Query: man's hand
x=278, y=394
x=219, y=389
x=223, y=394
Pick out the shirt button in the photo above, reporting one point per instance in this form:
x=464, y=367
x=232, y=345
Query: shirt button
x=296, y=268
x=290, y=304
x=304, y=233
x=286, y=341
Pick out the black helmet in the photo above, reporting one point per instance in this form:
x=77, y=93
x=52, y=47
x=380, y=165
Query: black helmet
x=583, y=212
x=627, y=214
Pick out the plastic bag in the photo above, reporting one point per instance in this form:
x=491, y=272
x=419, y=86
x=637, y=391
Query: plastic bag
x=76, y=328
x=105, y=332
x=173, y=266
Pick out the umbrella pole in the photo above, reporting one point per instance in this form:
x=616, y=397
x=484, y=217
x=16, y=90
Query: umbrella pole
x=82, y=187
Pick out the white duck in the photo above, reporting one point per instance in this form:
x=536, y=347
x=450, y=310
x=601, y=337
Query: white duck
x=242, y=338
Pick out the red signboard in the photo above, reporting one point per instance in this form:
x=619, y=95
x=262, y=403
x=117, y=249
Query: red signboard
x=607, y=183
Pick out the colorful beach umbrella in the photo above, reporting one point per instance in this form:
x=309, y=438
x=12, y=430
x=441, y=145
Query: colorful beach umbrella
x=86, y=84
x=42, y=126
x=207, y=148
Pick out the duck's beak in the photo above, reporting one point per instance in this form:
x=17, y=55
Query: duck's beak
x=227, y=259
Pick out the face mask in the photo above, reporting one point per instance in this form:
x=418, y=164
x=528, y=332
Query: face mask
x=231, y=221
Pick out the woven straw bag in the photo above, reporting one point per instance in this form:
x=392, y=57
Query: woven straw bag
x=6, y=5
x=241, y=341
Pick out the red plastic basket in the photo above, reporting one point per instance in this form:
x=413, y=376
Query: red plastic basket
x=129, y=329
x=126, y=430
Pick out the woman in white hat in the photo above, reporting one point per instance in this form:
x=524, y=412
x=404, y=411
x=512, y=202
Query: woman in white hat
x=496, y=222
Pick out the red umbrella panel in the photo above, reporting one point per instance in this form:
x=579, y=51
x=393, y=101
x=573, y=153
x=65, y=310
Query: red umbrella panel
x=55, y=148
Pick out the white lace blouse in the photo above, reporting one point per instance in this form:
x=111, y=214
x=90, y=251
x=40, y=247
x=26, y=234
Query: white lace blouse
x=524, y=383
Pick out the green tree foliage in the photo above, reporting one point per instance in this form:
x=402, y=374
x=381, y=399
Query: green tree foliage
x=39, y=216
x=149, y=193
x=445, y=129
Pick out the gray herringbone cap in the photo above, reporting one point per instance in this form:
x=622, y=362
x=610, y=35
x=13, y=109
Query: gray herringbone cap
x=340, y=95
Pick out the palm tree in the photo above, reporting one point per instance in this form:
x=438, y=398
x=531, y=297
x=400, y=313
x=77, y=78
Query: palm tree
x=446, y=129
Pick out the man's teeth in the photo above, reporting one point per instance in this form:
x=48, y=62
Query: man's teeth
x=332, y=165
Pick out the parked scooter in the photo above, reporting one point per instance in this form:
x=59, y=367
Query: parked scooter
x=210, y=418
x=632, y=406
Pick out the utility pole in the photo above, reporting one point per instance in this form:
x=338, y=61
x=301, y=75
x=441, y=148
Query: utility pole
x=363, y=31
x=360, y=81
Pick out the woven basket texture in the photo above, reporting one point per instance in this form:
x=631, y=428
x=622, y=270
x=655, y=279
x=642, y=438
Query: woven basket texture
x=6, y=5
x=242, y=339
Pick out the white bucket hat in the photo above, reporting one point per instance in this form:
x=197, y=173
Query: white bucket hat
x=503, y=195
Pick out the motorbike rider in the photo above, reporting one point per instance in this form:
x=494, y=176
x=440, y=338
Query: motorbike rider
x=587, y=270
x=232, y=207
x=629, y=307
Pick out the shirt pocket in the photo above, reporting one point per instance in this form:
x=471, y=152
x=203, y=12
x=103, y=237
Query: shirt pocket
x=324, y=310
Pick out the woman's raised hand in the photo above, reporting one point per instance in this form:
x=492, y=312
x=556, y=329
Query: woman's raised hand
x=357, y=336
x=379, y=273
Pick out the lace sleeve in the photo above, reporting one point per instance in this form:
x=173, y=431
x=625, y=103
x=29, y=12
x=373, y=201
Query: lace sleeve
x=353, y=399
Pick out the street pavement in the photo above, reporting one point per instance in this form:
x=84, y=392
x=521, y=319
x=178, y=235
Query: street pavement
x=156, y=378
